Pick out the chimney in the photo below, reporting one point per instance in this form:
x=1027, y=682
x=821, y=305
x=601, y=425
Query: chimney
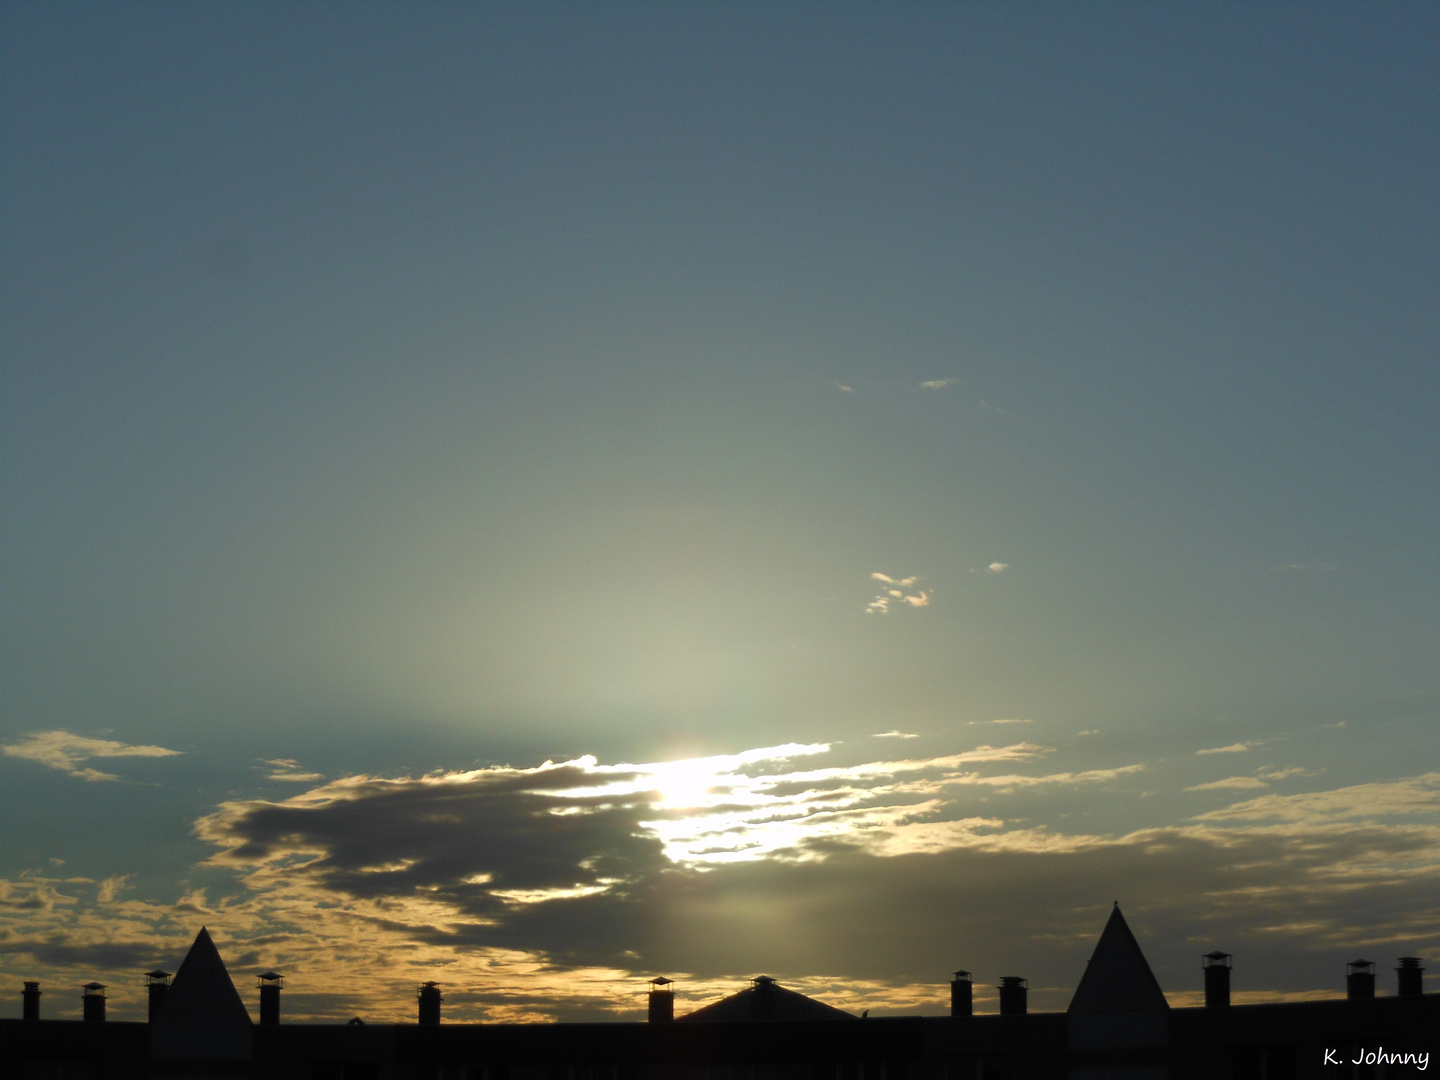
x=962, y=1001
x=429, y=996
x=271, y=983
x=1359, y=980
x=1217, y=979
x=1409, y=973
x=1013, y=992
x=662, y=1000
x=31, y=998
x=157, y=984
x=94, y=1001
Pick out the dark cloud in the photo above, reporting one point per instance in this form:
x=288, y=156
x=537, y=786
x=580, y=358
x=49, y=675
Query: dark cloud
x=1292, y=900
x=98, y=956
x=476, y=837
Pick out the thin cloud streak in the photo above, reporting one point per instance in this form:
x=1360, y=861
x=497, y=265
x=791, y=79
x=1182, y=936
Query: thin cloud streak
x=68, y=752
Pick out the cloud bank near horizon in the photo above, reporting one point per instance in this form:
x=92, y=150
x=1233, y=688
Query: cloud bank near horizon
x=554, y=890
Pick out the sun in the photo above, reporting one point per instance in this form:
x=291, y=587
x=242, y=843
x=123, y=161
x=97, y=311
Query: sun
x=684, y=785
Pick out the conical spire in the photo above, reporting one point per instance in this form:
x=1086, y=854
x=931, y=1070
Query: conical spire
x=203, y=1018
x=1118, y=979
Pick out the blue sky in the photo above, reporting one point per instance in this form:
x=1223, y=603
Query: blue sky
x=1028, y=413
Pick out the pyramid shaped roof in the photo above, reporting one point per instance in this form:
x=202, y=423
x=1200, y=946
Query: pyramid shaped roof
x=1118, y=979
x=203, y=1018
x=765, y=1000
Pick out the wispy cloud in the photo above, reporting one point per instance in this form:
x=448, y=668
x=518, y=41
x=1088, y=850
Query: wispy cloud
x=68, y=752
x=901, y=593
x=998, y=567
x=938, y=384
x=1233, y=748
x=844, y=389
x=1419, y=795
x=289, y=770
x=895, y=735
x=1239, y=782
x=1005, y=721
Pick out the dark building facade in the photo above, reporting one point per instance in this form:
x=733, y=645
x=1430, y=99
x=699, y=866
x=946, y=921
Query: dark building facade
x=1118, y=1027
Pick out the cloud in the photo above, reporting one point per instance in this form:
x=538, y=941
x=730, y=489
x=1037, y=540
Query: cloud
x=1281, y=774
x=1007, y=721
x=1415, y=796
x=68, y=752
x=895, y=735
x=1233, y=748
x=904, y=583
x=938, y=384
x=111, y=887
x=902, y=591
x=290, y=771
x=844, y=389
x=556, y=890
x=998, y=567
x=1230, y=782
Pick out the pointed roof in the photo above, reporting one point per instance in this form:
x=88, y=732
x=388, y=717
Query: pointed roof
x=766, y=999
x=203, y=1018
x=1118, y=979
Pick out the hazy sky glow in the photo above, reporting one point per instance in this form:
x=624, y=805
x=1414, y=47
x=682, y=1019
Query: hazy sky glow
x=542, y=496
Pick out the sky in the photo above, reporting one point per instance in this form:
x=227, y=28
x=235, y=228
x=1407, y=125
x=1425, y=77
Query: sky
x=542, y=496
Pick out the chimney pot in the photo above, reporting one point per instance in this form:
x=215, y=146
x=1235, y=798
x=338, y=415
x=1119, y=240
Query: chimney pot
x=93, y=999
x=962, y=994
x=429, y=998
x=1409, y=975
x=1217, y=979
x=270, y=983
x=1359, y=980
x=1013, y=992
x=30, y=996
x=662, y=1000
x=157, y=985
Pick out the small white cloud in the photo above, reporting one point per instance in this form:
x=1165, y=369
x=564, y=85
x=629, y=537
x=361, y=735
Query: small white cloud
x=68, y=752
x=1281, y=774
x=894, y=735
x=290, y=771
x=998, y=567
x=844, y=389
x=904, y=583
x=901, y=591
x=1233, y=748
x=1230, y=782
x=1092, y=731
x=938, y=384
x=1007, y=721
x=111, y=888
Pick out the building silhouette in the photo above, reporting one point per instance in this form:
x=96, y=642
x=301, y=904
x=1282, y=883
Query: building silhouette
x=1118, y=1026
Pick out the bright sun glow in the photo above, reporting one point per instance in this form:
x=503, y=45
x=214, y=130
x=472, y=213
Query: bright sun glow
x=685, y=785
